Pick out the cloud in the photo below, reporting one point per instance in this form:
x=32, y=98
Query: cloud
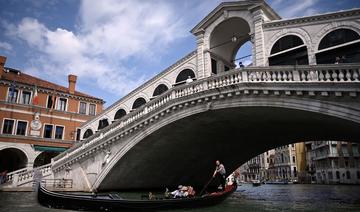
x=296, y=8
x=109, y=34
x=6, y=46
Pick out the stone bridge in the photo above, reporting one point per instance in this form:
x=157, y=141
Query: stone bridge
x=204, y=107
x=233, y=116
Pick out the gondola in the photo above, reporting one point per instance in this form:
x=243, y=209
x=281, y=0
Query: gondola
x=113, y=202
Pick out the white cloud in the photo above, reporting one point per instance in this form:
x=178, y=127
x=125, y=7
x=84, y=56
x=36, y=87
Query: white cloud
x=288, y=9
x=6, y=46
x=109, y=33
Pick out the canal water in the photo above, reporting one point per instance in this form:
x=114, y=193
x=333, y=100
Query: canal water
x=247, y=198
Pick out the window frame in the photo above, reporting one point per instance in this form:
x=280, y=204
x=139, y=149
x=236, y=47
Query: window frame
x=94, y=109
x=26, y=128
x=58, y=100
x=3, y=124
x=21, y=97
x=63, y=132
x=54, y=105
x=52, y=131
x=86, y=108
x=17, y=95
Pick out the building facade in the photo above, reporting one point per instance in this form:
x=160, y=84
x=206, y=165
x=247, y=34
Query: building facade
x=335, y=162
x=39, y=119
x=285, y=162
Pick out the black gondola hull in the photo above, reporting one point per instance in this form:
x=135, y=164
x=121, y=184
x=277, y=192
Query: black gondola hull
x=106, y=203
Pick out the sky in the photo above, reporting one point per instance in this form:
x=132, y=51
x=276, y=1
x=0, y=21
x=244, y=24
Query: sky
x=114, y=46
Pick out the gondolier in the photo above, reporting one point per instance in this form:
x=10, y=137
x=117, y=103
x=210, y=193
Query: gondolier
x=220, y=174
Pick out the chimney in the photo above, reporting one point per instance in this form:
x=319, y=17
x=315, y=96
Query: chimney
x=2, y=64
x=72, y=83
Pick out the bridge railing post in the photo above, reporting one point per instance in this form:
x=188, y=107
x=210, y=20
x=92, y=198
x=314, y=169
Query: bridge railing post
x=296, y=75
x=244, y=76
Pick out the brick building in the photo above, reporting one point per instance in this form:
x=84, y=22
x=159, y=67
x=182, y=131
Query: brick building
x=39, y=119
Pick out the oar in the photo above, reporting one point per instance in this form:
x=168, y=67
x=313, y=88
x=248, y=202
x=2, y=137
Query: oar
x=206, y=185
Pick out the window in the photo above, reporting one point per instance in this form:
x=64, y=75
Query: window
x=21, y=128
x=78, y=133
x=48, y=131
x=337, y=175
x=92, y=108
x=59, y=131
x=293, y=159
x=51, y=101
x=358, y=174
x=62, y=104
x=8, y=126
x=25, y=97
x=184, y=75
x=330, y=175
x=82, y=109
x=12, y=94
x=213, y=66
x=348, y=175
x=226, y=68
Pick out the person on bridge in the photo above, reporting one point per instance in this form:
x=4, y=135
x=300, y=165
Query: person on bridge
x=220, y=173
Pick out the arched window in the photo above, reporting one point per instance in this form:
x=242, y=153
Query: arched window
x=339, y=46
x=138, y=102
x=12, y=159
x=183, y=75
x=160, y=89
x=119, y=114
x=88, y=133
x=289, y=50
x=103, y=123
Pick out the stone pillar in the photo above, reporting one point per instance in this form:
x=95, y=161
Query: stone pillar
x=258, y=44
x=200, y=55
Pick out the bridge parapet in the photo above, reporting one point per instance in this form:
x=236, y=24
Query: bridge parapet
x=25, y=177
x=334, y=73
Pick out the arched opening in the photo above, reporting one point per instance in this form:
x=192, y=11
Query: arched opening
x=12, y=159
x=103, y=123
x=339, y=46
x=119, y=114
x=138, y=103
x=243, y=56
x=160, y=89
x=225, y=41
x=44, y=158
x=88, y=133
x=183, y=76
x=289, y=50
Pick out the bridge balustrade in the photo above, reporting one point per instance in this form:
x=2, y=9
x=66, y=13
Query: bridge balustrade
x=271, y=74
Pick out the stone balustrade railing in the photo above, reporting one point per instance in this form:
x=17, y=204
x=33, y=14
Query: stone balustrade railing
x=274, y=74
x=22, y=176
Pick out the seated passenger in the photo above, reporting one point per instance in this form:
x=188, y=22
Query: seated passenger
x=178, y=193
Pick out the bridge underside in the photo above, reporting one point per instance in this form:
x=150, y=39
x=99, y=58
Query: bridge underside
x=184, y=152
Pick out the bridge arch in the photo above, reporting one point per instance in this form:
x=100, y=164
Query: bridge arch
x=138, y=103
x=289, y=50
x=104, y=122
x=183, y=76
x=225, y=40
x=339, y=45
x=161, y=88
x=242, y=116
x=120, y=113
x=12, y=159
x=44, y=158
x=88, y=132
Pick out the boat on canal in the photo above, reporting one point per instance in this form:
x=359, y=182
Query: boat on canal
x=256, y=183
x=111, y=202
x=278, y=182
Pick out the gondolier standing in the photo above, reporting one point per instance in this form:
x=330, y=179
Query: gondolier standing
x=220, y=173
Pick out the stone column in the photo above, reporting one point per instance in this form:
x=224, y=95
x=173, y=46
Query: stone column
x=200, y=55
x=258, y=43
